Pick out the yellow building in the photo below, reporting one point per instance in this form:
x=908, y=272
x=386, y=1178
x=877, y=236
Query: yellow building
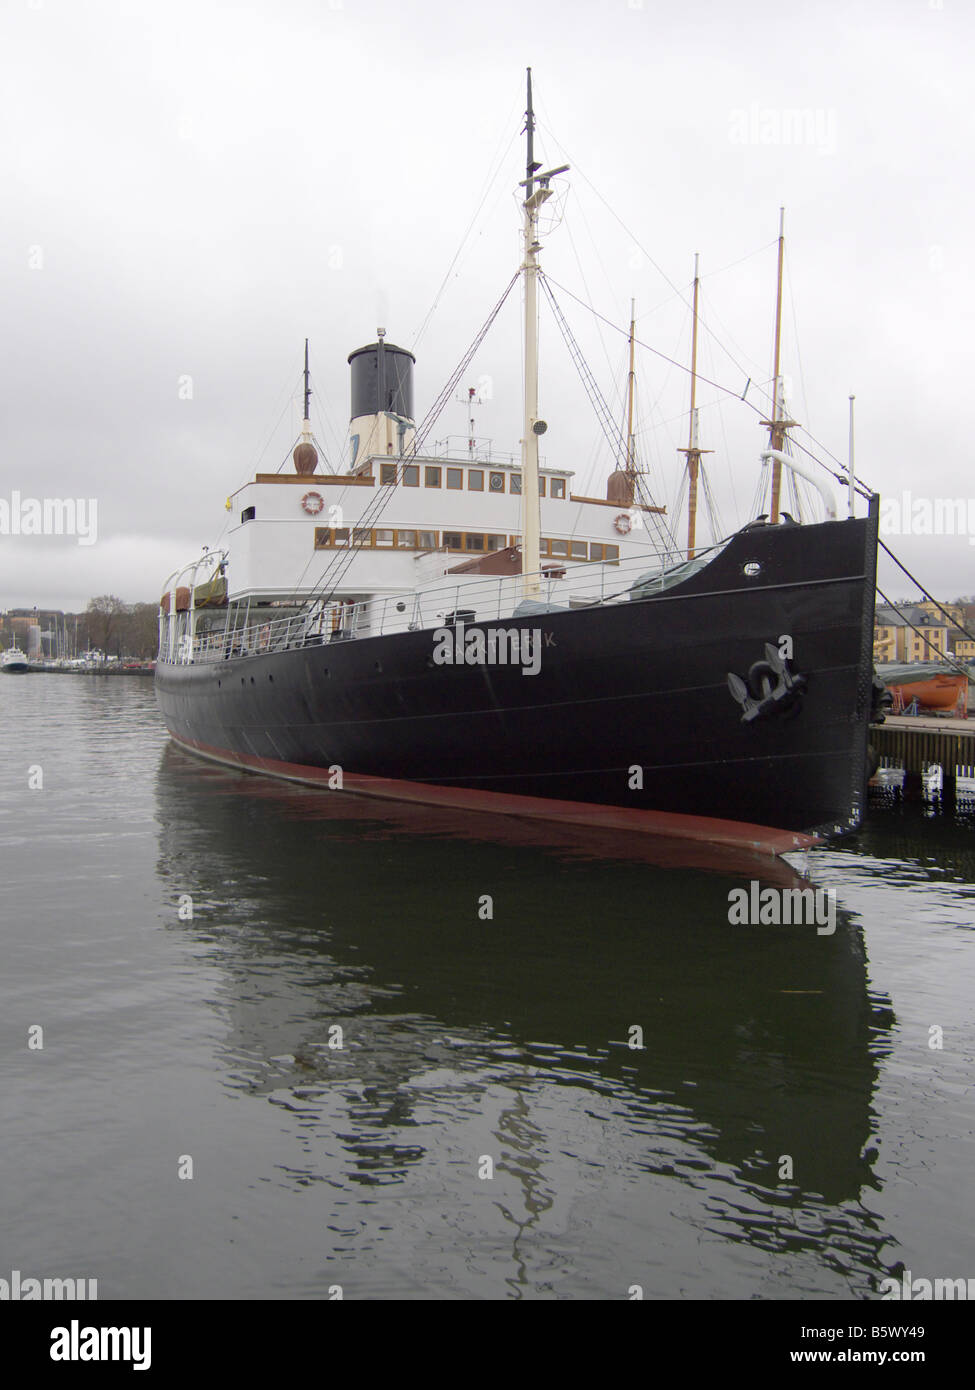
x=956, y=611
x=895, y=638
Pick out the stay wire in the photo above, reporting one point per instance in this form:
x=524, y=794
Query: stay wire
x=924, y=591
x=841, y=478
x=946, y=659
x=339, y=565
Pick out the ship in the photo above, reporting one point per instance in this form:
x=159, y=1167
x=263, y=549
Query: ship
x=469, y=632
x=14, y=662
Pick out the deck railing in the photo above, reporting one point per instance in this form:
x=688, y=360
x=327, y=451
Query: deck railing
x=559, y=586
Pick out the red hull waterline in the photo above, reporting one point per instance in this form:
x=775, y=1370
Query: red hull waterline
x=763, y=839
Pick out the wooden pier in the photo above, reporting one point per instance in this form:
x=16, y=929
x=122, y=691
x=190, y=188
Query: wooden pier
x=917, y=743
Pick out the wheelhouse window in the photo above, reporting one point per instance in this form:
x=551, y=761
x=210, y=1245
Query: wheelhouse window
x=559, y=549
x=341, y=534
x=579, y=550
x=428, y=540
x=495, y=542
x=411, y=475
x=431, y=477
x=558, y=488
x=541, y=486
x=406, y=540
x=455, y=478
x=387, y=473
x=361, y=535
x=516, y=482
x=473, y=542
x=497, y=482
x=475, y=479
x=384, y=537
x=453, y=540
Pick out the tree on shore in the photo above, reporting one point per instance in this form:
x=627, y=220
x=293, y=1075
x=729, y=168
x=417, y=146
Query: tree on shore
x=104, y=615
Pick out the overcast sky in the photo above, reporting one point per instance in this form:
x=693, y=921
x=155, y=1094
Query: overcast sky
x=191, y=188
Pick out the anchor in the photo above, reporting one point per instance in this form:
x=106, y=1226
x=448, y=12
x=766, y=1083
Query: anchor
x=771, y=687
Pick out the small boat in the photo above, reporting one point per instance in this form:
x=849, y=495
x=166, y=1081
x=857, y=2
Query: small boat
x=929, y=684
x=14, y=662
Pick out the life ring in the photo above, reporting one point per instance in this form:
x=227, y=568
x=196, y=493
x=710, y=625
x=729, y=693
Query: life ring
x=313, y=503
x=624, y=523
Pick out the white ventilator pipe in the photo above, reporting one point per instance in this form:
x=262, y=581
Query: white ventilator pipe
x=809, y=476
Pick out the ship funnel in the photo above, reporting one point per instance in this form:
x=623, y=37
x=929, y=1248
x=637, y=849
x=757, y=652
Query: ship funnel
x=382, y=421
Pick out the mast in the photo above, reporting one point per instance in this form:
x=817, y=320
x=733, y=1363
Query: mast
x=630, y=390
x=534, y=198
x=852, y=496
x=530, y=165
x=693, y=453
x=305, y=454
x=306, y=418
x=531, y=540
x=777, y=424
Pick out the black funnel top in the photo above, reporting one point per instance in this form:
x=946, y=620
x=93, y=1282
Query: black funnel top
x=382, y=380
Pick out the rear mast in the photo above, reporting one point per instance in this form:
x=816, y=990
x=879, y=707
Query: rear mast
x=305, y=454
x=630, y=393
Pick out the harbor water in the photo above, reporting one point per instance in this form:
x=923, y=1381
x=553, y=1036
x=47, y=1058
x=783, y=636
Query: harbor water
x=265, y=1041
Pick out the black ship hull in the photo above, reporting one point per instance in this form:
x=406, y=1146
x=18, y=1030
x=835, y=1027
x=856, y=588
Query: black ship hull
x=630, y=710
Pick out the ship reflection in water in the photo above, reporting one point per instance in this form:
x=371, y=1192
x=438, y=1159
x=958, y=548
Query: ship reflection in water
x=486, y=1130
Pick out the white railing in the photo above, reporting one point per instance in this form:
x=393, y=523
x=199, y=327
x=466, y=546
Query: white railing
x=456, y=447
x=478, y=599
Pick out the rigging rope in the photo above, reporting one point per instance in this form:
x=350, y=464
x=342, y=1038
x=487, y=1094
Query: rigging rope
x=924, y=591
x=946, y=658
x=842, y=478
x=611, y=429
x=338, y=566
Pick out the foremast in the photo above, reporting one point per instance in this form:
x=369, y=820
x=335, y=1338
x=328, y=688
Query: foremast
x=534, y=427
x=777, y=423
x=693, y=451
